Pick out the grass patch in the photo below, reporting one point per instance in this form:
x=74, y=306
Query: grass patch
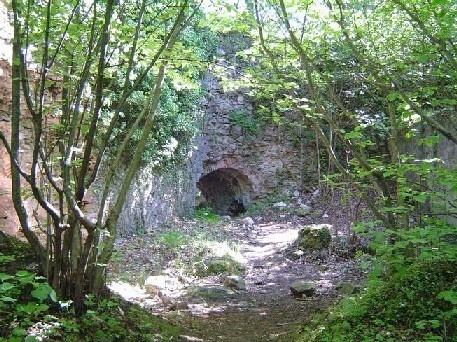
x=207, y=215
x=172, y=239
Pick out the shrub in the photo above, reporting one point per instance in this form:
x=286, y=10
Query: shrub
x=411, y=294
x=207, y=215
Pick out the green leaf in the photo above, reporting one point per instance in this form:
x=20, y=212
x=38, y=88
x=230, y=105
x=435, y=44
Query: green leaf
x=5, y=276
x=22, y=274
x=449, y=296
x=5, y=287
x=43, y=292
x=8, y=299
x=32, y=308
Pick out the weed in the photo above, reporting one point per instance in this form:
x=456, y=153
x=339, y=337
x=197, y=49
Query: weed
x=207, y=215
x=172, y=239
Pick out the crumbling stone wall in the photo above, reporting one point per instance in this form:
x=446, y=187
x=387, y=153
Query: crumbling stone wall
x=275, y=157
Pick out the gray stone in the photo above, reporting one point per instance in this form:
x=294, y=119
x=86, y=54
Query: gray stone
x=185, y=338
x=315, y=237
x=247, y=222
x=302, y=288
x=155, y=284
x=235, y=282
x=347, y=288
x=303, y=210
x=222, y=265
x=211, y=292
x=176, y=306
x=280, y=205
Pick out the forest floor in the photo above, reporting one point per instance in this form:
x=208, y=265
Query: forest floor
x=166, y=271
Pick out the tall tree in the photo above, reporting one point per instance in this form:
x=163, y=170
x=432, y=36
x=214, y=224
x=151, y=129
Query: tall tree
x=83, y=55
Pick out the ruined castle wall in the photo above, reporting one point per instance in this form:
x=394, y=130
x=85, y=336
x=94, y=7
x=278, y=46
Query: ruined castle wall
x=275, y=157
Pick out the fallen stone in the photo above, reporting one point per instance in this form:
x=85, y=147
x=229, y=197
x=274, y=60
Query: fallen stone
x=325, y=216
x=347, y=288
x=280, y=205
x=176, y=306
x=155, y=284
x=185, y=338
x=303, y=210
x=211, y=292
x=296, y=193
x=222, y=265
x=315, y=237
x=247, y=222
x=235, y=282
x=298, y=253
x=302, y=288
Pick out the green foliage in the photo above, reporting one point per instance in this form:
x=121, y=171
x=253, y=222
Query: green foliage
x=172, y=239
x=410, y=295
x=26, y=299
x=207, y=215
x=175, y=123
x=177, y=119
x=247, y=122
x=109, y=321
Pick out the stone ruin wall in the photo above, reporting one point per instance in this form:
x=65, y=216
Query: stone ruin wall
x=270, y=160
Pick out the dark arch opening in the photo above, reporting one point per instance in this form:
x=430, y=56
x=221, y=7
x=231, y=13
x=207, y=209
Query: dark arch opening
x=226, y=191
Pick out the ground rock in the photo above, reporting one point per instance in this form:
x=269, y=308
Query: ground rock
x=314, y=237
x=211, y=292
x=223, y=265
x=247, y=222
x=185, y=338
x=155, y=284
x=175, y=306
x=347, y=288
x=235, y=282
x=303, y=210
x=280, y=205
x=302, y=288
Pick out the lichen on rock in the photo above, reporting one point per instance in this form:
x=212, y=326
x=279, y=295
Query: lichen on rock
x=314, y=237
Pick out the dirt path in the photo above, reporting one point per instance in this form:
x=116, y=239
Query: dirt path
x=265, y=310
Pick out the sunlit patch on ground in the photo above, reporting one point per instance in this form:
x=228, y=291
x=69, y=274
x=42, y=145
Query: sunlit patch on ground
x=270, y=263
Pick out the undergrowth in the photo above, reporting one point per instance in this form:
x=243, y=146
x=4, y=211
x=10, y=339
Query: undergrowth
x=411, y=294
x=30, y=310
x=207, y=215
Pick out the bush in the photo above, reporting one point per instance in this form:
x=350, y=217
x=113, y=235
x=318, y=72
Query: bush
x=411, y=294
x=31, y=311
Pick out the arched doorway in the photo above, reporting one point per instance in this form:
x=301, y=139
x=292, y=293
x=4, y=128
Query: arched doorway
x=226, y=191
